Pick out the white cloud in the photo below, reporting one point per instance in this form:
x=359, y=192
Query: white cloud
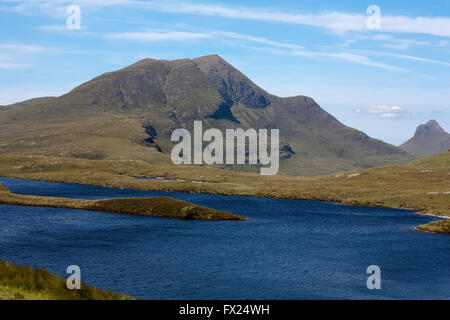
x=53, y=28
x=382, y=36
x=152, y=36
x=345, y=56
x=404, y=44
x=436, y=26
x=170, y=35
x=383, y=111
x=334, y=21
x=363, y=60
x=12, y=65
x=389, y=41
x=22, y=48
x=408, y=57
x=6, y=62
x=261, y=40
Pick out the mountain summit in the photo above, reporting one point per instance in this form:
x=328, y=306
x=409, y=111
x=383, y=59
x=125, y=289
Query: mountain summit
x=429, y=139
x=431, y=127
x=129, y=114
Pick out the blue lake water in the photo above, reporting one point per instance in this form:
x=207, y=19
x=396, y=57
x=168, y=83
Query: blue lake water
x=290, y=249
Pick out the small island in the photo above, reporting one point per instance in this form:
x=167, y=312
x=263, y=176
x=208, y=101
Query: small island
x=441, y=226
x=156, y=207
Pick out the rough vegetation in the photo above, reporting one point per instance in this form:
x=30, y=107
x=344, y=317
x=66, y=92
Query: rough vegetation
x=25, y=283
x=441, y=226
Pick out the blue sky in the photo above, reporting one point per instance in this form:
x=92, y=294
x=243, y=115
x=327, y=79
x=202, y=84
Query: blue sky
x=384, y=81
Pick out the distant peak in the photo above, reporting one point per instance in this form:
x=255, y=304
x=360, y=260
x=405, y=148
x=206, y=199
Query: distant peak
x=431, y=125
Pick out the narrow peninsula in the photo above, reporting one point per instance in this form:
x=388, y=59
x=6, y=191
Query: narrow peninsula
x=164, y=207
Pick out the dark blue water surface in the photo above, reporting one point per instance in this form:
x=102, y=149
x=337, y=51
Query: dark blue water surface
x=290, y=249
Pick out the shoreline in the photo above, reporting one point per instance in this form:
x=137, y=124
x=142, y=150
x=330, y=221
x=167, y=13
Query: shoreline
x=421, y=186
x=435, y=216
x=155, y=189
x=413, y=211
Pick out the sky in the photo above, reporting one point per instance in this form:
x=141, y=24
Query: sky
x=382, y=67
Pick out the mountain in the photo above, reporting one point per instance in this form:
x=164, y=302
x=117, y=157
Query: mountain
x=130, y=114
x=429, y=139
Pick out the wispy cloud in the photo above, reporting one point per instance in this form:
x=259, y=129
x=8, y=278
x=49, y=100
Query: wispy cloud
x=333, y=21
x=171, y=35
x=152, y=36
x=260, y=40
x=293, y=49
x=363, y=60
x=408, y=57
x=353, y=56
x=343, y=56
x=339, y=22
x=383, y=111
x=53, y=28
x=11, y=65
x=16, y=49
x=9, y=55
x=402, y=44
x=22, y=48
x=6, y=62
x=20, y=56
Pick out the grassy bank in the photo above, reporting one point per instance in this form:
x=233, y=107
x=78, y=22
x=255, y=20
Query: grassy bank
x=25, y=283
x=441, y=226
x=155, y=207
x=421, y=185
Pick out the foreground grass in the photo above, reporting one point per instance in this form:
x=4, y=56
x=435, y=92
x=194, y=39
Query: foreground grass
x=25, y=283
x=422, y=185
x=156, y=207
x=442, y=226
